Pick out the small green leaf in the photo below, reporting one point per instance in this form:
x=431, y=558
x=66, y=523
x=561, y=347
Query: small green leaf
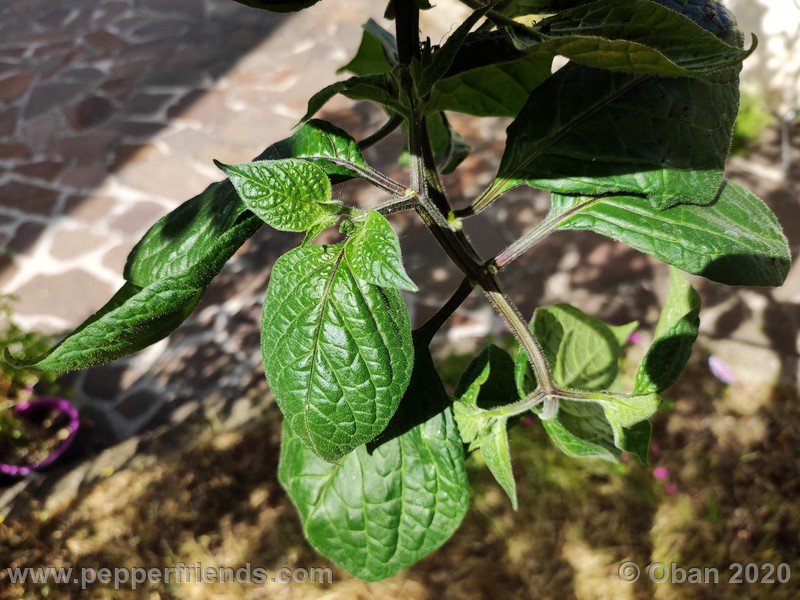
x=487, y=382
x=582, y=351
x=443, y=58
x=673, y=340
x=374, y=255
x=583, y=354
x=376, y=512
x=449, y=148
x=375, y=88
x=736, y=240
x=337, y=350
x=321, y=143
x=377, y=53
x=288, y=194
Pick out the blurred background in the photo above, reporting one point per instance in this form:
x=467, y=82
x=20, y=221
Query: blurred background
x=111, y=112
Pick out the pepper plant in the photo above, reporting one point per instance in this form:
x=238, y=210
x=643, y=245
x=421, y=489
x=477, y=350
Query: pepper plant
x=630, y=138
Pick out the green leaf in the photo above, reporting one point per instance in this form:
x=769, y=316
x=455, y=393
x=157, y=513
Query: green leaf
x=583, y=354
x=582, y=351
x=443, y=58
x=586, y=429
x=489, y=77
x=488, y=381
x=633, y=36
x=168, y=270
x=281, y=6
x=674, y=337
x=737, y=240
x=321, y=143
x=374, y=255
x=337, y=350
x=375, y=513
x=593, y=132
x=196, y=238
x=133, y=319
x=377, y=53
x=449, y=148
x=289, y=194
x=375, y=88
x=624, y=332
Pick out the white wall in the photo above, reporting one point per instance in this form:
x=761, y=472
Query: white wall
x=774, y=69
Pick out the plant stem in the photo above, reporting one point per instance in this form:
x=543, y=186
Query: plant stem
x=547, y=226
x=435, y=323
x=393, y=206
x=374, y=176
x=385, y=130
x=425, y=181
x=517, y=408
x=501, y=19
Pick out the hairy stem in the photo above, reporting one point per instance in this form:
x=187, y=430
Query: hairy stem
x=544, y=228
x=434, y=324
x=385, y=130
x=433, y=205
x=517, y=408
x=500, y=19
x=374, y=176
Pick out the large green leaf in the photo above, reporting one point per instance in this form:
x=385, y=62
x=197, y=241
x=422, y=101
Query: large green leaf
x=737, y=240
x=674, y=337
x=337, y=350
x=590, y=131
x=632, y=36
x=289, y=194
x=376, y=512
x=488, y=382
x=489, y=77
x=374, y=255
x=168, y=270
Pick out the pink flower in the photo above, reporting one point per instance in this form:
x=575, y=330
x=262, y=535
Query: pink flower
x=671, y=489
x=625, y=457
x=661, y=473
x=527, y=421
x=635, y=338
x=720, y=370
x=655, y=448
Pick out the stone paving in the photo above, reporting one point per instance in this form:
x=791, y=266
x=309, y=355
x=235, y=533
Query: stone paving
x=110, y=115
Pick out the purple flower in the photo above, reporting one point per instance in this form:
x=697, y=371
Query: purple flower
x=720, y=370
x=527, y=421
x=635, y=338
x=661, y=473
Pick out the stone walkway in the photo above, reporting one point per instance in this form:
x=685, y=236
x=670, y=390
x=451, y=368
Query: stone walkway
x=110, y=115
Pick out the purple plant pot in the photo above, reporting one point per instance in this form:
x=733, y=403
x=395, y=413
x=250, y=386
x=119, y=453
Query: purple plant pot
x=38, y=408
